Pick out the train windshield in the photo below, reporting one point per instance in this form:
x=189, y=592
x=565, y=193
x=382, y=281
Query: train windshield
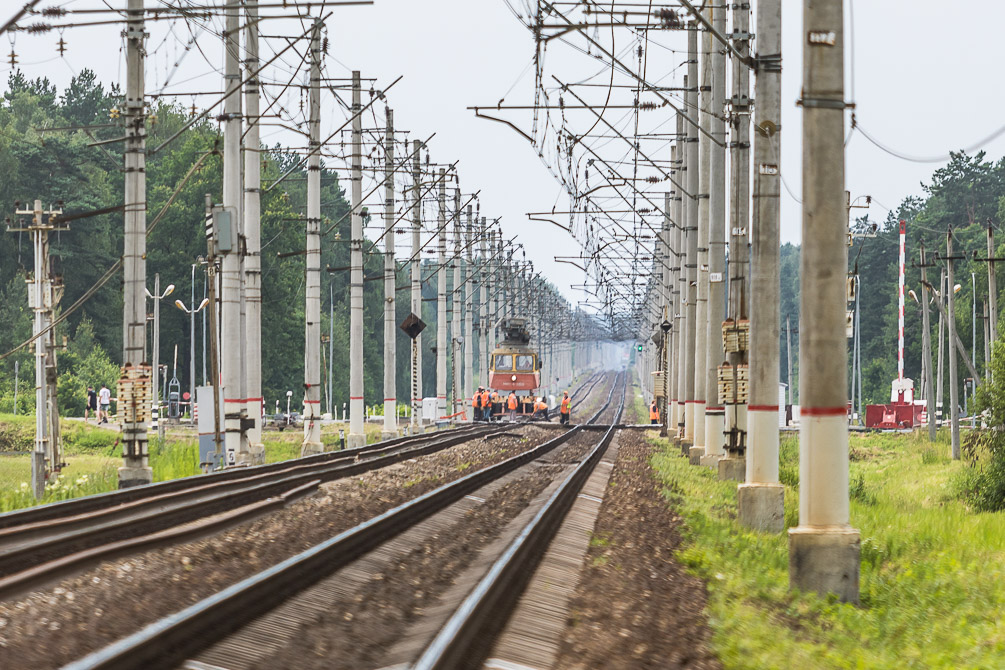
x=504, y=362
x=525, y=362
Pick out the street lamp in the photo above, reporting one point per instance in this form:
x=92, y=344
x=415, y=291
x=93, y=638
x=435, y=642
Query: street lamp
x=157, y=296
x=191, y=351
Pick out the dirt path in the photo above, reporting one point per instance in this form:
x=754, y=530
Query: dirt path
x=636, y=606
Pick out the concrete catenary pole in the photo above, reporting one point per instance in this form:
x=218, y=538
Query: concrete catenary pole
x=715, y=306
x=469, y=295
x=253, y=238
x=457, y=343
x=823, y=548
x=681, y=286
x=676, y=318
x=390, y=329
x=312, y=328
x=666, y=289
x=761, y=498
x=357, y=436
x=135, y=468
x=954, y=406
x=416, y=284
x=691, y=282
x=940, y=365
x=926, y=347
x=701, y=255
x=734, y=466
x=237, y=451
x=441, y=300
x=992, y=286
x=483, y=302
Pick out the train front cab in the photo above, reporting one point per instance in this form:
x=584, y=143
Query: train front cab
x=515, y=371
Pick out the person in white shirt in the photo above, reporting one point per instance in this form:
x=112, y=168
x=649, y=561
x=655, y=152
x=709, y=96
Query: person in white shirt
x=104, y=402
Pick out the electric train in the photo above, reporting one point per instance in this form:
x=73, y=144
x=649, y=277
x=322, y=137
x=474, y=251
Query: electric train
x=515, y=365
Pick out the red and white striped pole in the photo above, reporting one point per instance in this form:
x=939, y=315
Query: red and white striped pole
x=900, y=303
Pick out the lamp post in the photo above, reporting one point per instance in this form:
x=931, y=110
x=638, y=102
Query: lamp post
x=157, y=296
x=191, y=333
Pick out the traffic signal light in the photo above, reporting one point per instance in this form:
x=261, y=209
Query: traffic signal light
x=640, y=347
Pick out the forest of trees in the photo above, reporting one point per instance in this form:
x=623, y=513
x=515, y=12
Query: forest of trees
x=59, y=166
x=967, y=194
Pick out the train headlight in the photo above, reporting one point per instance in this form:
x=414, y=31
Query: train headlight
x=512, y=378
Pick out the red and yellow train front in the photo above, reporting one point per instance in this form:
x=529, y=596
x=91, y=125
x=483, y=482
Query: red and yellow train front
x=514, y=371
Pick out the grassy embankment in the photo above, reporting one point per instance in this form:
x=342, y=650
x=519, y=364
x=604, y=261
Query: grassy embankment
x=932, y=587
x=93, y=457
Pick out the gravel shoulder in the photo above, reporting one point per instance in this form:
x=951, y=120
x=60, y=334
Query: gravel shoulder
x=51, y=627
x=635, y=605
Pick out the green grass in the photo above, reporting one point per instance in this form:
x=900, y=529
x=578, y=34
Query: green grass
x=932, y=587
x=173, y=459
x=83, y=475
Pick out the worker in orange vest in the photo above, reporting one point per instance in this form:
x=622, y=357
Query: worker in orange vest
x=493, y=401
x=654, y=413
x=486, y=408
x=566, y=409
x=511, y=406
x=476, y=404
x=541, y=409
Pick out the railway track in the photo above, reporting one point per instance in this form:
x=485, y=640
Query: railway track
x=42, y=544
x=171, y=640
x=469, y=634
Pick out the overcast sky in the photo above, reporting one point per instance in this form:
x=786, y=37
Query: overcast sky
x=921, y=86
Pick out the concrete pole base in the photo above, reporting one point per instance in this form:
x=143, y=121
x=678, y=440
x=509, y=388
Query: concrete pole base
x=825, y=560
x=388, y=434
x=135, y=476
x=257, y=454
x=685, y=447
x=761, y=507
x=732, y=469
x=710, y=461
x=695, y=454
x=311, y=448
x=355, y=441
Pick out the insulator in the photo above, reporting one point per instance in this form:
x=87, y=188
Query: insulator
x=648, y=105
x=37, y=28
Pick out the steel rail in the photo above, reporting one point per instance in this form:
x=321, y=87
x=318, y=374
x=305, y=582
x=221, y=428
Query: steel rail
x=35, y=553
x=64, y=551
x=469, y=633
x=75, y=506
x=172, y=639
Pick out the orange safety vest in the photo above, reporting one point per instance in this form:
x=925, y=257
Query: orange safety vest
x=654, y=412
x=476, y=400
x=512, y=401
x=485, y=398
x=495, y=397
x=539, y=405
x=566, y=404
